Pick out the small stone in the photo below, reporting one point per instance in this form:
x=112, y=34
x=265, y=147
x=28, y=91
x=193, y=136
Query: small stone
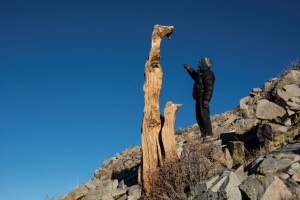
x=135, y=190
x=228, y=159
x=131, y=197
x=267, y=86
x=79, y=192
x=118, y=192
x=253, y=94
x=288, y=122
x=107, y=196
x=124, y=197
x=256, y=90
x=296, y=176
x=283, y=129
x=290, y=112
x=191, y=134
x=179, y=151
x=122, y=185
x=239, y=172
x=97, y=182
x=118, y=156
x=291, y=172
x=295, y=166
x=90, y=185
x=284, y=176
x=272, y=79
x=217, y=142
x=113, y=185
x=244, y=102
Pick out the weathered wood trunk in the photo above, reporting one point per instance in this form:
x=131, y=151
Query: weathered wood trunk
x=167, y=133
x=151, y=127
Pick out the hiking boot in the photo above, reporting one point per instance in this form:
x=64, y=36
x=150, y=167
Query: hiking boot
x=207, y=139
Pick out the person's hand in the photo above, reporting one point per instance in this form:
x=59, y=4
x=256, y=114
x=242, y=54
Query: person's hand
x=205, y=103
x=185, y=66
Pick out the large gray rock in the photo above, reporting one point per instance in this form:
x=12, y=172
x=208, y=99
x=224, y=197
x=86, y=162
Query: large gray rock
x=225, y=187
x=272, y=165
x=269, y=133
x=122, y=166
x=292, y=77
x=228, y=186
x=294, y=103
x=204, y=186
x=268, y=110
x=265, y=133
x=280, y=159
x=288, y=91
x=265, y=188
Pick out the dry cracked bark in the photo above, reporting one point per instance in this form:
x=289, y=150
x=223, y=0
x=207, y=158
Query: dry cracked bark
x=152, y=122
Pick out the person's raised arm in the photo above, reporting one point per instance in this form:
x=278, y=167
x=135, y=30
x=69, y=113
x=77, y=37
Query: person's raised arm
x=191, y=72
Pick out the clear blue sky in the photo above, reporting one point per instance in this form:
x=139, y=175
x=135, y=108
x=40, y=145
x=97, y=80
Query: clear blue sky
x=71, y=76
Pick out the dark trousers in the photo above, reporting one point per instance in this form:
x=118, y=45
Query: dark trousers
x=203, y=119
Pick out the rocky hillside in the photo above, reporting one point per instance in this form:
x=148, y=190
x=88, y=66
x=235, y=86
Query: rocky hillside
x=257, y=148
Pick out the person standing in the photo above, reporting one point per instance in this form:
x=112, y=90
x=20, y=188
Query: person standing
x=204, y=80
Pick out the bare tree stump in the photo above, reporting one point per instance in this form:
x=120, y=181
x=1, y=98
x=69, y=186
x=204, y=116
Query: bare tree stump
x=167, y=133
x=151, y=126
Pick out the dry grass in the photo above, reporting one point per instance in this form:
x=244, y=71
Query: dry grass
x=293, y=66
x=174, y=180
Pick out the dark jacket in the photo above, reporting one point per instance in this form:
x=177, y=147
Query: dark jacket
x=204, y=83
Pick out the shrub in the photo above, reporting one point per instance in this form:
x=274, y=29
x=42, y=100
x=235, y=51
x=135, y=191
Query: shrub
x=174, y=180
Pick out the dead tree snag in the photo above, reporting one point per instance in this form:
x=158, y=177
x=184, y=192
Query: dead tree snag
x=167, y=134
x=151, y=126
